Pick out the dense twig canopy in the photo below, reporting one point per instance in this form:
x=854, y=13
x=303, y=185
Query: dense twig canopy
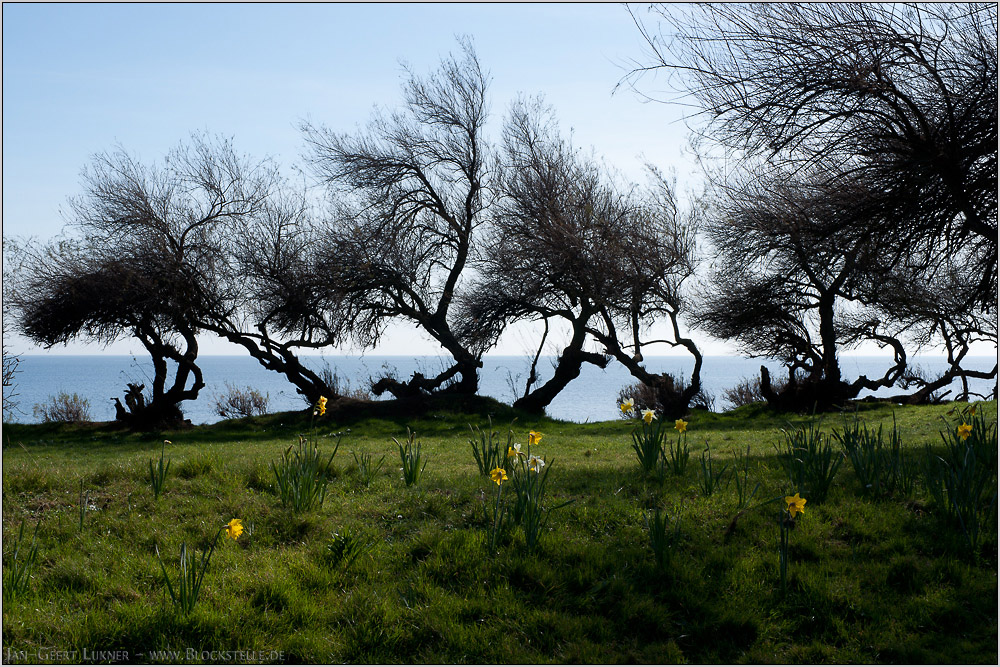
x=782, y=283
x=569, y=243
x=902, y=96
x=146, y=261
x=408, y=195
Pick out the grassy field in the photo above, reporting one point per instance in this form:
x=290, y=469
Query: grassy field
x=870, y=579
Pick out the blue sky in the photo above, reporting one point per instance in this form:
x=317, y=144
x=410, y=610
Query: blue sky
x=79, y=79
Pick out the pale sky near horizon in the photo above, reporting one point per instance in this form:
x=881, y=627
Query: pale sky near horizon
x=79, y=79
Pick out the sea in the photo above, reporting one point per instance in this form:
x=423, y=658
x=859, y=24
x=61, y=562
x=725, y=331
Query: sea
x=590, y=397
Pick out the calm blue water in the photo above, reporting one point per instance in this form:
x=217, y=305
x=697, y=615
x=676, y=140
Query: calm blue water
x=592, y=396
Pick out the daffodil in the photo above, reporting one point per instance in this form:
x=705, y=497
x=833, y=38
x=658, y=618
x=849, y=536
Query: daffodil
x=234, y=528
x=964, y=431
x=681, y=425
x=320, y=406
x=498, y=475
x=535, y=464
x=534, y=437
x=796, y=505
x=627, y=406
x=514, y=451
x=648, y=416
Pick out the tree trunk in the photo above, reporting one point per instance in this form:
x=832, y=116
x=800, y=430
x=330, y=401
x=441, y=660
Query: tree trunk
x=567, y=369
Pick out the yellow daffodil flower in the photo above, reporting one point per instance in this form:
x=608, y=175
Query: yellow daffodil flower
x=972, y=411
x=680, y=425
x=498, y=475
x=796, y=505
x=648, y=416
x=234, y=528
x=514, y=451
x=534, y=437
x=964, y=431
x=627, y=406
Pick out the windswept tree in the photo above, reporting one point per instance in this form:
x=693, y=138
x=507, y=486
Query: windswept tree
x=142, y=263
x=782, y=285
x=570, y=248
x=11, y=361
x=407, y=197
x=900, y=97
x=272, y=293
x=655, y=256
x=10, y=366
x=554, y=216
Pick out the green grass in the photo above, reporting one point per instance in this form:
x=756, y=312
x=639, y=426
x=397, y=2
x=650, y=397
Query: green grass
x=870, y=580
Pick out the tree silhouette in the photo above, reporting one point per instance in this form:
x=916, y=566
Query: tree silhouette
x=570, y=246
x=143, y=262
x=407, y=198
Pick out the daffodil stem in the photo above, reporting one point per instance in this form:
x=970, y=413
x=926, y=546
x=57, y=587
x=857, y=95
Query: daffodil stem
x=496, y=521
x=191, y=576
x=783, y=549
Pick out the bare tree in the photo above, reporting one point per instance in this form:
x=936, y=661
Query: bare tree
x=11, y=361
x=783, y=283
x=144, y=264
x=570, y=246
x=925, y=310
x=272, y=295
x=10, y=367
x=554, y=215
x=656, y=256
x=408, y=196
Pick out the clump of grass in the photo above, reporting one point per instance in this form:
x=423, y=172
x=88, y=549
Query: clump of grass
x=741, y=477
x=344, y=548
x=964, y=482
x=195, y=466
x=710, y=479
x=302, y=477
x=410, y=457
x=487, y=448
x=366, y=469
x=878, y=461
x=158, y=475
x=259, y=476
x=663, y=539
x=18, y=568
x=809, y=460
